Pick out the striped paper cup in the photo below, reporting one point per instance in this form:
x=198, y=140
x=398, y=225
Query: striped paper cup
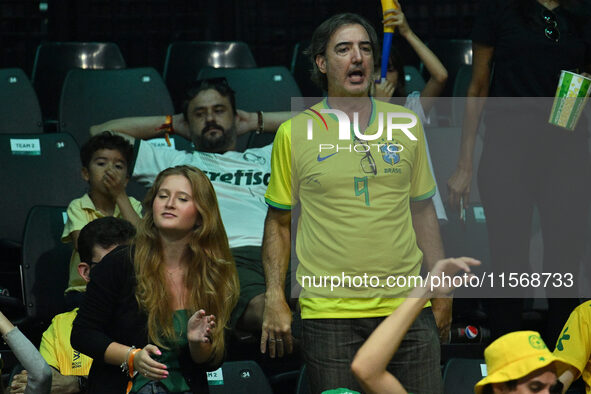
x=570, y=99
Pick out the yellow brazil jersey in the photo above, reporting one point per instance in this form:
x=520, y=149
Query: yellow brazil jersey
x=574, y=343
x=56, y=349
x=354, y=193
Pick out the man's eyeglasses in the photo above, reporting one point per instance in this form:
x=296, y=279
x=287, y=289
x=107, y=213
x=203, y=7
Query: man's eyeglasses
x=368, y=164
x=551, y=31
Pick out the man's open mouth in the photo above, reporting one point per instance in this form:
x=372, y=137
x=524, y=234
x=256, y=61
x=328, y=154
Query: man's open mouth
x=356, y=76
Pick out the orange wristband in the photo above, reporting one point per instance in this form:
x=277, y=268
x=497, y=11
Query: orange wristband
x=132, y=372
x=167, y=128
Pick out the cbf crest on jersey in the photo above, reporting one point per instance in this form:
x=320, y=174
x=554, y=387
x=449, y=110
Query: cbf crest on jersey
x=389, y=153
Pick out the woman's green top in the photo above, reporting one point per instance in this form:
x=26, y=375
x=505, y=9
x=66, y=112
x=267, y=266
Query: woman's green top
x=175, y=382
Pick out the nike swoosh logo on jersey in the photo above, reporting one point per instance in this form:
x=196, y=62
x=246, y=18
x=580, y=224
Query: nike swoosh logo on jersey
x=325, y=157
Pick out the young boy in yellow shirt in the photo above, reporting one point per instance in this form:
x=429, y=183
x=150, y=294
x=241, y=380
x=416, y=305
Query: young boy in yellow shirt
x=105, y=161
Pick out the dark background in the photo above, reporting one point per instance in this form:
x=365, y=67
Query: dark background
x=144, y=28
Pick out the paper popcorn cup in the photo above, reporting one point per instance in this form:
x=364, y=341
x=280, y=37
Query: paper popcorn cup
x=570, y=99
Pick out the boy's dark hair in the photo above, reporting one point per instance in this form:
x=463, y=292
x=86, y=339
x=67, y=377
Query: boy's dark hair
x=104, y=232
x=106, y=140
x=218, y=84
x=324, y=32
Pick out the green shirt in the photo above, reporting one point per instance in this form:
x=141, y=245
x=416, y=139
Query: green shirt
x=175, y=382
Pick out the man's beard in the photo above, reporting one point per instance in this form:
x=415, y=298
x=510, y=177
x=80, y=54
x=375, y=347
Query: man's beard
x=218, y=144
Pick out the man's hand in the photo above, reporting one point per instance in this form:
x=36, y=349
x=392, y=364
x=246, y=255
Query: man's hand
x=276, y=326
x=442, y=307
x=199, y=327
x=246, y=121
x=458, y=186
x=442, y=311
x=63, y=384
x=19, y=382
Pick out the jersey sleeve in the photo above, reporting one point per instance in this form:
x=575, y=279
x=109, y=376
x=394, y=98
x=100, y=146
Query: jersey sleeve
x=574, y=342
x=279, y=192
x=76, y=220
x=137, y=206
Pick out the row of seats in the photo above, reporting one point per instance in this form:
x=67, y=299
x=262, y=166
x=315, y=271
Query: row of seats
x=185, y=59
x=90, y=97
x=94, y=96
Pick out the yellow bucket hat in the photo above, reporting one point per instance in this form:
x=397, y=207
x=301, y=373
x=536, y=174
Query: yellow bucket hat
x=516, y=355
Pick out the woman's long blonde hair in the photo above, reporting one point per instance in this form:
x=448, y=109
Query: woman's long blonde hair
x=211, y=276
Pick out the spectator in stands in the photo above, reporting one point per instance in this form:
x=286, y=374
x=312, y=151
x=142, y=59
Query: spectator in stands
x=28, y=356
x=514, y=169
x=105, y=160
x=520, y=362
x=211, y=121
x=160, y=306
x=574, y=346
x=370, y=362
x=70, y=367
x=365, y=210
x=395, y=85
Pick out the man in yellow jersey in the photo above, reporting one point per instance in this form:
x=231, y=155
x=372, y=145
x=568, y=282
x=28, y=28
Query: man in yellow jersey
x=358, y=170
x=574, y=346
x=69, y=367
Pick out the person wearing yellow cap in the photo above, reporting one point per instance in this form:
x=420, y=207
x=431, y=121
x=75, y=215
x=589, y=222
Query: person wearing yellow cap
x=520, y=363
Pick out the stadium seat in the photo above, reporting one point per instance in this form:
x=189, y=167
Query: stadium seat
x=19, y=107
x=300, y=69
x=303, y=386
x=53, y=60
x=461, y=374
x=265, y=89
x=184, y=60
x=45, y=264
x=91, y=97
x=414, y=80
x=37, y=169
x=238, y=377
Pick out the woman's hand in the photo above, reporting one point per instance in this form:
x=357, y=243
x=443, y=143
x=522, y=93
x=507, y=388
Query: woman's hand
x=441, y=285
x=144, y=364
x=395, y=18
x=199, y=327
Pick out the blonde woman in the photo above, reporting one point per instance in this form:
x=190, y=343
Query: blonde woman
x=159, y=307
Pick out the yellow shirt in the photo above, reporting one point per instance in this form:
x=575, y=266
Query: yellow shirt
x=355, y=207
x=56, y=349
x=574, y=343
x=82, y=211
